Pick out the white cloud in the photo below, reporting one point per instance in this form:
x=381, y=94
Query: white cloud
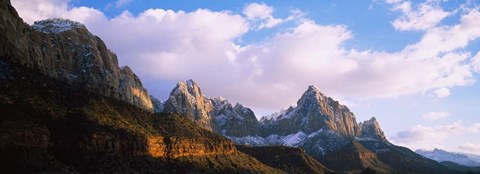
x=476, y=62
x=470, y=148
x=122, y=3
x=261, y=15
x=33, y=10
x=393, y=1
x=167, y=45
x=435, y=115
x=442, y=92
x=424, y=137
x=427, y=15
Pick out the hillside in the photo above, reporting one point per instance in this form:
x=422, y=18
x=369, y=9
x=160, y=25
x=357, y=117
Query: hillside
x=287, y=159
x=50, y=126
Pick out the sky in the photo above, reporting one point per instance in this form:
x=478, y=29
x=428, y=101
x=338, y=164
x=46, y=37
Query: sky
x=414, y=65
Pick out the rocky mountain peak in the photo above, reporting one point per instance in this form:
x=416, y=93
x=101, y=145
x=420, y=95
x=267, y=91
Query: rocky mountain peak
x=67, y=51
x=371, y=129
x=310, y=96
x=187, y=87
x=56, y=25
x=187, y=99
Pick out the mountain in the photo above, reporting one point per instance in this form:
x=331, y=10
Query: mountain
x=324, y=128
x=67, y=51
x=441, y=155
x=66, y=107
x=314, y=111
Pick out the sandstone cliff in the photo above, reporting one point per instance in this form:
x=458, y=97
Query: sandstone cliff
x=67, y=51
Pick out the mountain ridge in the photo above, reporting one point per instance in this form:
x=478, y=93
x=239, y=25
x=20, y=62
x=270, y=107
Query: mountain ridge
x=324, y=128
x=442, y=155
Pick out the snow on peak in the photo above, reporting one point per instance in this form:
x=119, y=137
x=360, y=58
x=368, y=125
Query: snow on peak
x=283, y=114
x=442, y=155
x=56, y=25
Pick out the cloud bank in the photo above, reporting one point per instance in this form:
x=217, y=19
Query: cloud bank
x=430, y=137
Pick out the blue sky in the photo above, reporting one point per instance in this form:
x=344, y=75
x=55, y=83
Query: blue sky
x=411, y=64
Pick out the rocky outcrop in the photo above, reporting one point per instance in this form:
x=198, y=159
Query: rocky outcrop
x=67, y=51
x=187, y=99
x=371, y=129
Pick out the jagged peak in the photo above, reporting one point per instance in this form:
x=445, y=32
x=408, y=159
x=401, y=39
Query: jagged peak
x=371, y=129
x=187, y=87
x=240, y=106
x=219, y=99
x=191, y=83
x=372, y=120
x=312, y=91
x=56, y=25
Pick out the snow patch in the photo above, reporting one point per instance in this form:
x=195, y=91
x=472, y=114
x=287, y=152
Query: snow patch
x=56, y=25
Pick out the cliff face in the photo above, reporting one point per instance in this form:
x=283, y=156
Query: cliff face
x=67, y=51
x=173, y=147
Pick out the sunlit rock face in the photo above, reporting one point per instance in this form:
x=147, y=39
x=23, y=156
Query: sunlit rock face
x=67, y=51
x=187, y=99
x=174, y=147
